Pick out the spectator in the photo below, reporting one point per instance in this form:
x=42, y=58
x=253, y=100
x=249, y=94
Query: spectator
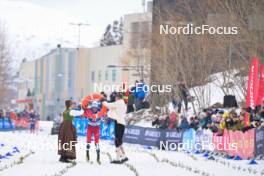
x=139, y=94
x=194, y=122
x=130, y=103
x=173, y=122
x=184, y=123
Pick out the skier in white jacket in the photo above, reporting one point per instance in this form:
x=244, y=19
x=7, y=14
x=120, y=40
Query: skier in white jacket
x=117, y=111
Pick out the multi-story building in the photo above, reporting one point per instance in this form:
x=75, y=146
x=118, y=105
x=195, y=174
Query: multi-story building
x=137, y=40
x=25, y=83
x=70, y=73
x=67, y=73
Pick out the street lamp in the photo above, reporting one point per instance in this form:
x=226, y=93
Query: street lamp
x=79, y=25
x=126, y=68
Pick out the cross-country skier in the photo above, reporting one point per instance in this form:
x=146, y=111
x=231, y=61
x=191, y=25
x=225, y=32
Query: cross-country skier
x=95, y=112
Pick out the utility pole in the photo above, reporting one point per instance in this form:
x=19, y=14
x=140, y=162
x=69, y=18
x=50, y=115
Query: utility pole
x=144, y=5
x=79, y=25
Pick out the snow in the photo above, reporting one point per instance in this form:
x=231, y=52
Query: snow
x=146, y=162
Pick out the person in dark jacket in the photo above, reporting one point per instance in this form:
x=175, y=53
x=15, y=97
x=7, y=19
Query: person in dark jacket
x=184, y=123
x=130, y=103
x=32, y=119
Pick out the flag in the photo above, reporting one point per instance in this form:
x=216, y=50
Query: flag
x=261, y=85
x=252, y=87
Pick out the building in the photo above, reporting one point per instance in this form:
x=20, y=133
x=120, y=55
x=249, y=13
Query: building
x=25, y=84
x=70, y=73
x=137, y=41
x=67, y=73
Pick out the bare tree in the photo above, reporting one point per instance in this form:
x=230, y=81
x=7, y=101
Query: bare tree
x=5, y=66
x=192, y=59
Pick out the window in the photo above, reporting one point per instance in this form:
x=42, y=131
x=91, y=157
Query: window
x=140, y=34
x=93, y=76
x=113, y=75
x=99, y=75
x=106, y=75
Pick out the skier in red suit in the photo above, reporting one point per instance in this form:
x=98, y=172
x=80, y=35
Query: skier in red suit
x=95, y=112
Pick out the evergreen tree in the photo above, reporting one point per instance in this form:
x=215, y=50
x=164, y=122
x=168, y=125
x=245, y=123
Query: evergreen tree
x=113, y=34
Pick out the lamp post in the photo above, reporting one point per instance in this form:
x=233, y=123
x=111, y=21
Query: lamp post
x=79, y=25
x=139, y=68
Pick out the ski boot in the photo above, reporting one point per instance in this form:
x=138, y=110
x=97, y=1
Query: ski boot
x=87, y=153
x=98, y=154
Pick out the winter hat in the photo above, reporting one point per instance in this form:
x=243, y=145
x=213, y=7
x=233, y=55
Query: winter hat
x=226, y=115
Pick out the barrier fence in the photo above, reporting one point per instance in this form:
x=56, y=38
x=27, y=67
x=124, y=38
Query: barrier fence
x=10, y=124
x=235, y=143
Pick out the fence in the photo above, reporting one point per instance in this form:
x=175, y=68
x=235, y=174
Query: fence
x=10, y=124
x=235, y=143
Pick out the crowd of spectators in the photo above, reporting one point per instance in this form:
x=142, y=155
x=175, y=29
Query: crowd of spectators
x=215, y=119
x=15, y=117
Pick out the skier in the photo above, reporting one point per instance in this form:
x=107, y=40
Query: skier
x=117, y=111
x=95, y=112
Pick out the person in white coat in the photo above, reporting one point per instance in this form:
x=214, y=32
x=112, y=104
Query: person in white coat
x=117, y=111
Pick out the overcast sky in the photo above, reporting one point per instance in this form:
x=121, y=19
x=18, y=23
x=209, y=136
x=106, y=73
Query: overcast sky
x=38, y=25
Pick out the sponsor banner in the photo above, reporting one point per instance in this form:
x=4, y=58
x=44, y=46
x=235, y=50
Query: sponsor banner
x=188, y=139
x=259, y=142
x=152, y=137
x=252, y=87
x=199, y=139
x=106, y=129
x=134, y=134
x=170, y=139
x=244, y=143
x=261, y=85
x=219, y=142
x=204, y=140
x=207, y=138
x=6, y=124
x=21, y=123
x=80, y=125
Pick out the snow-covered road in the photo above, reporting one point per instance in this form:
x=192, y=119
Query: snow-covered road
x=37, y=155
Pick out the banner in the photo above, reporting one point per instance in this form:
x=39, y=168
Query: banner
x=151, y=137
x=170, y=139
x=259, y=142
x=188, y=139
x=207, y=138
x=199, y=139
x=220, y=143
x=6, y=124
x=245, y=143
x=261, y=85
x=80, y=125
x=133, y=134
x=252, y=87
x=235, y=143
x=106, y=129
